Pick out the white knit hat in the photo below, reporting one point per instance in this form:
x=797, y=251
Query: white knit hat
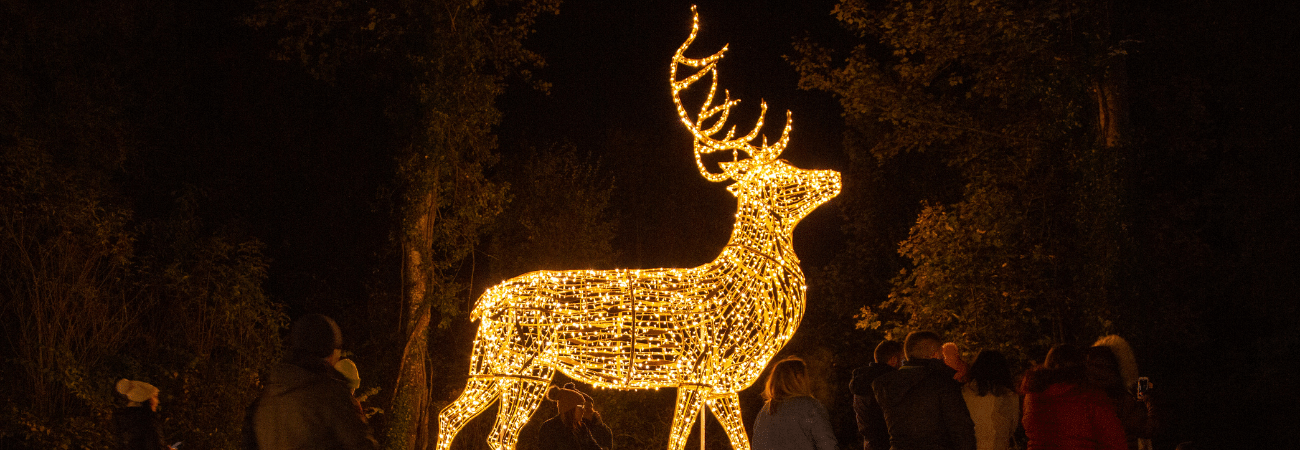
x=136, y=391
x=349, y=371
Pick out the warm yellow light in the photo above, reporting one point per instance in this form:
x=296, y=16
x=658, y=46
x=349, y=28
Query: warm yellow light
x=708, y=331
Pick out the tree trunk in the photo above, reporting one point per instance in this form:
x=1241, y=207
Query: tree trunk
x=409, y=426
x=1111, y=88
x=1111, y=92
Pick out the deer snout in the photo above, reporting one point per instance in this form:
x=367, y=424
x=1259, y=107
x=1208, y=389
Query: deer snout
x=829, y=180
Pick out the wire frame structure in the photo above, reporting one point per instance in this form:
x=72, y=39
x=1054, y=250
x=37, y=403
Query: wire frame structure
x=708, y=331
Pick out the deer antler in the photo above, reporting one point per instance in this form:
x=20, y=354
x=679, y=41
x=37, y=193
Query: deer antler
x=704, y=141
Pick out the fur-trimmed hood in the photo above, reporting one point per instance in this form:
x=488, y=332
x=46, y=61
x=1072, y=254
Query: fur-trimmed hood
x=1128, y=367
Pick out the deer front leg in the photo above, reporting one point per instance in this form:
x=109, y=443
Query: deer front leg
x=727, y=409
x=689, y=399
x=520, y=397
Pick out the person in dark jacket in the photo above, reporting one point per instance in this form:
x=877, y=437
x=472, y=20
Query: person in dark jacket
x=137, y=423
x=922, y=404
x=871, y=421
x=791, y=419
x=1110, y=365
x=591, y=417
x=306, y=404
x=567, y=430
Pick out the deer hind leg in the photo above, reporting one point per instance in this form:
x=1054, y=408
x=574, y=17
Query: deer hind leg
x=479, y=394
x=689, y=399
x=520, y=397
x=727, y=410
x=482, y=389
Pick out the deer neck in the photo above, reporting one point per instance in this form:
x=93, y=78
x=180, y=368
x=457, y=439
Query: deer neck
x=772, y=241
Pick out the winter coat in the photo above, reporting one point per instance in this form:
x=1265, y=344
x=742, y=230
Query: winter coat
x=996, y=416
x=601, y=432
x=799, y=423
x=308, y=406
x=923, y=408
x=556, y=435
x=871, y=421
x=1071, y=416
x=138, y=428
x=1137, y=417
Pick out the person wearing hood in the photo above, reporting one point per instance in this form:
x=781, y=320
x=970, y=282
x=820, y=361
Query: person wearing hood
x=570, y=429
x=1063, y=411
x=922, y=403
x=137, y=422
x=871, y=421
x=1112, y=367
x=306, y=403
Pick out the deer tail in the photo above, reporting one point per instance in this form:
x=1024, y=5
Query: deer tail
x=487, y=303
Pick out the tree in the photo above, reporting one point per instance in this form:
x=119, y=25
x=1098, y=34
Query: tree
x=1024, y=103
x=93, y=289
x=557, y=217
x=444, y=63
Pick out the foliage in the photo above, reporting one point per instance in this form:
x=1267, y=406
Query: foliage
x=213, y=331
x=94, y=296
x=64, y=255
x=557, y=217
x=93, y=290
x=1001, y=93
x=435, y=69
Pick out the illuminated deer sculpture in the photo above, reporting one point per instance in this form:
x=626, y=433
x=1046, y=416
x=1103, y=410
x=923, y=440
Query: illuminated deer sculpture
x=707, y=331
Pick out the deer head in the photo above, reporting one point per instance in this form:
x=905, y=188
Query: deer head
x=799, y=191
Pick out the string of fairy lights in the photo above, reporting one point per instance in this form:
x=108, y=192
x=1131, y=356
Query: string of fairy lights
x=708, y=331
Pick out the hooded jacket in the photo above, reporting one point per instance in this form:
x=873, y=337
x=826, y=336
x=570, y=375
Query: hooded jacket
x=1066, y=415
x=871, y=421
x=307, y=406
x=923, y=408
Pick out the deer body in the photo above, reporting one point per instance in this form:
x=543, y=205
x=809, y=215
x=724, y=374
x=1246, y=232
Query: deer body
x=708, y=331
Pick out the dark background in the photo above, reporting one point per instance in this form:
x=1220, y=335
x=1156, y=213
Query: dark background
x=258, y=148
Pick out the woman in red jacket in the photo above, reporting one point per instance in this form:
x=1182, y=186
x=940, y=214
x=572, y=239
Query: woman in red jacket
x=1063, y=411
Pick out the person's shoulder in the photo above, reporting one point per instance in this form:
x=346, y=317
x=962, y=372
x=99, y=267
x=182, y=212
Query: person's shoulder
x=890, y=375
x=874, y=370
x=131, y=413
x=553, y=421
x=803, y=403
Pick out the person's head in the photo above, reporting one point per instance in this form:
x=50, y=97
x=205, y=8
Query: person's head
x=569, y=404
x=889, y=352
x=590, y=409
x=789, y=378
x=138, y=393
x=990, y=373
x=315, y=336
x=1064, y=357
x=1064, y=364
x=923, y=345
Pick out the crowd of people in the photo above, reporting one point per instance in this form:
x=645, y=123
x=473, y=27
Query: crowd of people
x=923, y=395
x=916, y=395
